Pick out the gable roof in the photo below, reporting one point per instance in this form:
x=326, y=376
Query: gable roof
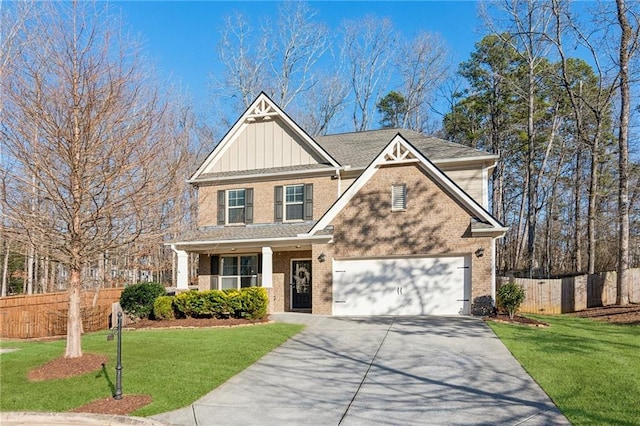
x=357, y=149
x=400, y=151
x=263, y=108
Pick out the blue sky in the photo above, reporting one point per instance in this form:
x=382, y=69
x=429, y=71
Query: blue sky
x=181, y=36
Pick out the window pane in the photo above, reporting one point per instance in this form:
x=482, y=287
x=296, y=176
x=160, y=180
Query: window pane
x=228, y=282
x=295, y=211
x=236, y=198
x=236, y=215
x=230, y=265
x=248, y=265
x=248, y=281
x=295, y=194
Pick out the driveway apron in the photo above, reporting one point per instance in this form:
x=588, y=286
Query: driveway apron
x=379, y=371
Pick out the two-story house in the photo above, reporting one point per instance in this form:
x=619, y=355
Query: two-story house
x=385, y=222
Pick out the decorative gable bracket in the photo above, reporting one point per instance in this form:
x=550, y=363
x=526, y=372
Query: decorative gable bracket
x=398, y=153
x=261, y=110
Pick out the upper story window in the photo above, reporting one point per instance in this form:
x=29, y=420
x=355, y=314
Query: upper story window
x=398, y=197
x=235, y=206
x=293, y=202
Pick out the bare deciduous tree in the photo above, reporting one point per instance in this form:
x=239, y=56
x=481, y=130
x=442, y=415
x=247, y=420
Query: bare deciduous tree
x=243, y=59
x=423, y=66
x=629, y=23
x=102, y=158
x=293, y=51
x=368, y=49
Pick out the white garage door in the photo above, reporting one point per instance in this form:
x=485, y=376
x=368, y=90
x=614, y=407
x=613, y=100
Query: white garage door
x=407, y=286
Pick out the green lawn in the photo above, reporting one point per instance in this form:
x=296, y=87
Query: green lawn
x=175, y=367
x=590, y=369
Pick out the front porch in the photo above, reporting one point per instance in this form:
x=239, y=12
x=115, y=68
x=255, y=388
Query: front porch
x=289, y=284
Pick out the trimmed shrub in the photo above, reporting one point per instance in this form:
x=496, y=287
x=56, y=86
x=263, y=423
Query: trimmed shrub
x=254, y=302
x=185, y=303
x=163, y=308
x=137, y=299
x=509, y=298
x=234, y=302
x=249, y=303
x=216, y=304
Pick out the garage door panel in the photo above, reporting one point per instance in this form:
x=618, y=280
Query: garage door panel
x=411, y=286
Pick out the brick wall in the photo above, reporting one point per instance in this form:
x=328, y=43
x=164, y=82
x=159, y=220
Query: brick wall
x=325, y=192
x=432, y=224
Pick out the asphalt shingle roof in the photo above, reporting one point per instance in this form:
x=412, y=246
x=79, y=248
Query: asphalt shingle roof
x=360, y=148
x=250, y=232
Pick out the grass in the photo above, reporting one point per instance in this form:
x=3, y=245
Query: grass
x=590, y=369
x=175, y=367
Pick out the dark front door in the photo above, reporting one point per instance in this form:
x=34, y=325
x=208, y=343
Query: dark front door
x=301, y=284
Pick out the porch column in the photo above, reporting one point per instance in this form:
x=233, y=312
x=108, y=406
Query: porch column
x=182, y=281
x=267, y=267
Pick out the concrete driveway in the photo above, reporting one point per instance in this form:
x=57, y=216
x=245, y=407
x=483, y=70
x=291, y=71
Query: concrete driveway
x=379, y=371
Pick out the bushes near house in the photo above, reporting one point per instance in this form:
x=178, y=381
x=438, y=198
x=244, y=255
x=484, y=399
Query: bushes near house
x=509, y=298
x=248, y=303
x=137, y=299
x=163, y=308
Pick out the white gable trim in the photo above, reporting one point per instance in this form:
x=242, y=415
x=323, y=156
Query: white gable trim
x=400, y=151
x=262, y=108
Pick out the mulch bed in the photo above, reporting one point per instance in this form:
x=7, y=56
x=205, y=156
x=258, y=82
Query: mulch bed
x=194, y=323
x=128, y=404
x=616, y=314
x=62, y=368
x=517, y=319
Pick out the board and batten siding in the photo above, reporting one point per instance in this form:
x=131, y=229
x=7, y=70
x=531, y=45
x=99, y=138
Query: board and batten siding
x=263, y=145
x=470, y=181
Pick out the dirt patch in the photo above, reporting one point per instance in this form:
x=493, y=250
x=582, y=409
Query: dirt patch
x=194, y=323
x=616, y=314
x=128, y=404
x=62, y=368
x=517, y=319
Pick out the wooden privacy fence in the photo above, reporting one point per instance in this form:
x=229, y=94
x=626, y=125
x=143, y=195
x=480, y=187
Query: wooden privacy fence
x=558, y=296
x=44, y=315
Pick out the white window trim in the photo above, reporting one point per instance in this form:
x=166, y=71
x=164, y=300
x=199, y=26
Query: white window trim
x=285, y=204
x=395, y=194
x=228, y=207
x=238, y=278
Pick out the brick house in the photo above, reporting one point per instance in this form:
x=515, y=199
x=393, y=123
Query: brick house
x=385, y=222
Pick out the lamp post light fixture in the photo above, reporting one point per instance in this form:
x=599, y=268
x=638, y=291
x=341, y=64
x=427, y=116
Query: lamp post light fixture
x=118, y=393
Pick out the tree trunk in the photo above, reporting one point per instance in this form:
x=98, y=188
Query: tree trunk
x=623, y=156
x=5, y=272
x=74, y=318
x=577, y=216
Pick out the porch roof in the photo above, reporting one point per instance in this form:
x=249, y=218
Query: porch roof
x=258, y=234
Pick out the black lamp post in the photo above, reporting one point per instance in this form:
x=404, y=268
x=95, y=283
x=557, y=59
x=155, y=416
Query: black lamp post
x=118, y=394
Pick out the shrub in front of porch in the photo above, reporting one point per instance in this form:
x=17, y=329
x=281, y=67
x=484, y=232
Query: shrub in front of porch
x=249, y=303
x=163, y=308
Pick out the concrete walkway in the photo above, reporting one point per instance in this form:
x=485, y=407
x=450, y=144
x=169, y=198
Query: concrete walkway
x=378, y=371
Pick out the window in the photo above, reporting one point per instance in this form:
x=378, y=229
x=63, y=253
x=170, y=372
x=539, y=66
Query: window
x=236, y=205
x=239, y=271
x=398, y=197
x=294, y=202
